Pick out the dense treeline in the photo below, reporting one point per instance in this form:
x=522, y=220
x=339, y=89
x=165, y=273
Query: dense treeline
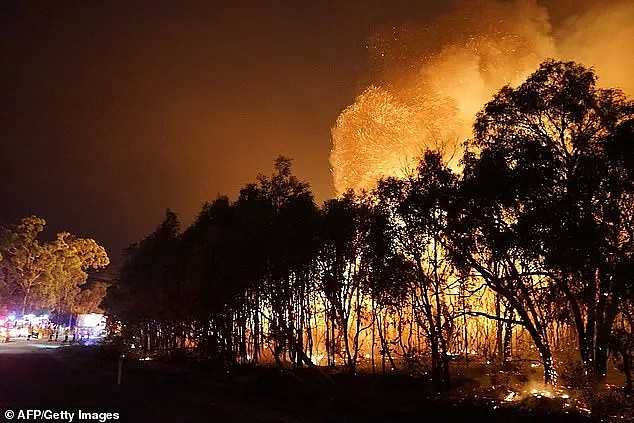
x=530, y=242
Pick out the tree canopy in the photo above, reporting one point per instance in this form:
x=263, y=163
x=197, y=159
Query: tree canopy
x=41, y=275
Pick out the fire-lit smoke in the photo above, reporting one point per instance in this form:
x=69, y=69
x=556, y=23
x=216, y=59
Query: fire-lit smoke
x=381, y=133
x=604, y=39
x=430, y=81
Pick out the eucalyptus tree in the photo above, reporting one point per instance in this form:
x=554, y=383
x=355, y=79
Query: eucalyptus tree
x=72, y=257
x=389, y=276
x=90, y=297
x=547, y=196
x=211, y=282
x=46, y=275
x=26, y=261
x=141, y=295
x=417, y=207
x=343, y=268
x=281, y=214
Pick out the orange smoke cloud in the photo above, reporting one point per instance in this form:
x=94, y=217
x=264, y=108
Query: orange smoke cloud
x=430, y=82
x=603, y=38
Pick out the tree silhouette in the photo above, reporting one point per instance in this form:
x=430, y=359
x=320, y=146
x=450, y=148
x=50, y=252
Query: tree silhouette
x=544, y=182
x=284, y=212
x=536, y=233
x=141, y=294
x=418, y=207
x=343, y=269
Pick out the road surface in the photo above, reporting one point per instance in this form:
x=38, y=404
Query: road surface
x=41, y=375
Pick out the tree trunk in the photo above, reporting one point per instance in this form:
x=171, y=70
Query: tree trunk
x=547, y=361
x=500, y=344
x=508, y=337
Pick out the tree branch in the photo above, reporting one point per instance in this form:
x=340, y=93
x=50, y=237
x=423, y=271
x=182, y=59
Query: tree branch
x=492, y=317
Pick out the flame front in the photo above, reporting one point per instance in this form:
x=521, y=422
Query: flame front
x=382, y=135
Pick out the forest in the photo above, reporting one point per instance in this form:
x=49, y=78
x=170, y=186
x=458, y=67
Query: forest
x=524, y=251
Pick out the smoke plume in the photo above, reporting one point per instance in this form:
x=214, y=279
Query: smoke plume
x=430, y=81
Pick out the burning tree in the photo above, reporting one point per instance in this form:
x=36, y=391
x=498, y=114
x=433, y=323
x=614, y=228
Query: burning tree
x=544, y=180
x=383, y=134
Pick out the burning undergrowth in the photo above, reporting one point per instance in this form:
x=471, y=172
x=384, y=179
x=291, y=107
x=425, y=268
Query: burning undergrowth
x=520, y=389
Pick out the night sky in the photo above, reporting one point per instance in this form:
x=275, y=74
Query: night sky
x=113, y=111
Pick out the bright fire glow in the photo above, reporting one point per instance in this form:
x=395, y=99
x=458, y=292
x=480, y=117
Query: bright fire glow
x=432, y=81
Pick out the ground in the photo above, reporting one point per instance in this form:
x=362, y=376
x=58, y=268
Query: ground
x=43, y=375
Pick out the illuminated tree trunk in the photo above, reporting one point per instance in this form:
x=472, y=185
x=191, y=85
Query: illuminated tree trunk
x=499, y=330
x=385, y=346
x=373, y=334
x=256, y=327
x=27, y=286
x=25, y=299
x=508, y=337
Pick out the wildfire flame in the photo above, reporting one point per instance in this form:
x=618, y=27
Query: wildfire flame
x=432, y=81
x=381, y=135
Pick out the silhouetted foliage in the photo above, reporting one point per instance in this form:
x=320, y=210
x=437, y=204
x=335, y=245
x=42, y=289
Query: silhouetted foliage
x=550, y=195
x=536, y=232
